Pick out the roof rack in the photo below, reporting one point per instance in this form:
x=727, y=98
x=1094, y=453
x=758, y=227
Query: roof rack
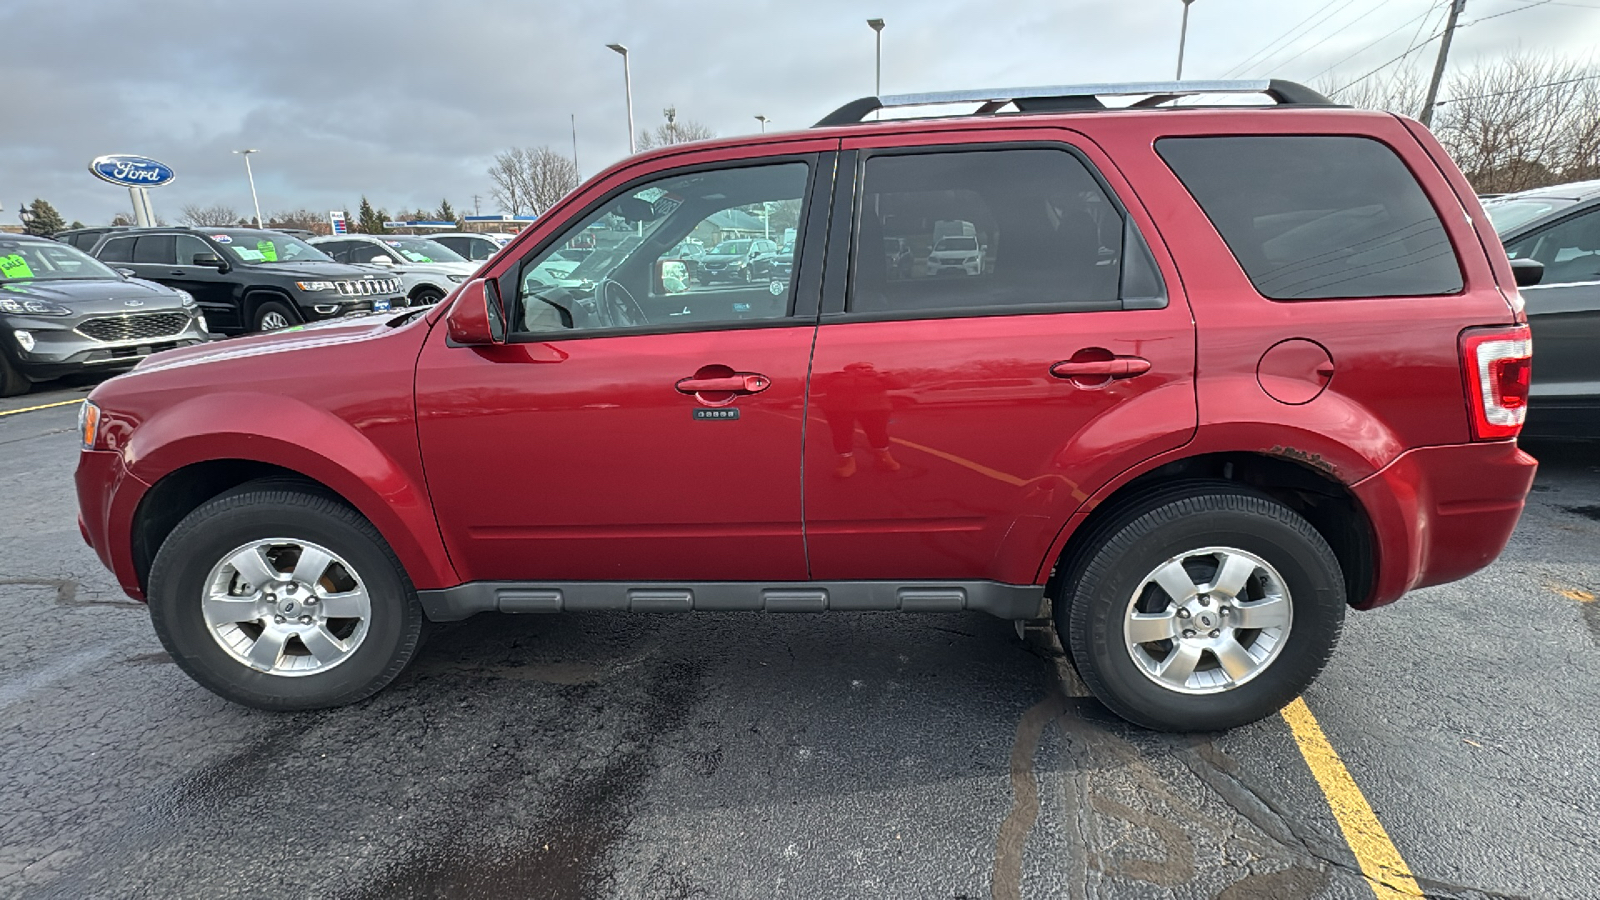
x=1064, y=98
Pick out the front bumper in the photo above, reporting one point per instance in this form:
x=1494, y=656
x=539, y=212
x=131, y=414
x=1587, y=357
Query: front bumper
x=107, y=498
x=59, y=349
x=1441, y=513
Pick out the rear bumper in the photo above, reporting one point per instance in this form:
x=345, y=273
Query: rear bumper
x=1442, y=513
x=107, y=498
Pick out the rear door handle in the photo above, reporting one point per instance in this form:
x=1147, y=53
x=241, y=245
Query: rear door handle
x=1116, y=367
x=737, y=383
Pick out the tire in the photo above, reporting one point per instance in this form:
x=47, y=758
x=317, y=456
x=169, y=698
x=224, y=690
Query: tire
x=12, y=382
x=274, y=315
x=747, y=276
x=426, y=297
x=1210, y=529
x=196, y=562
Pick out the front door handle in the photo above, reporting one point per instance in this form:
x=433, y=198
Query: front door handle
x=1115, y=367
x=737, y=383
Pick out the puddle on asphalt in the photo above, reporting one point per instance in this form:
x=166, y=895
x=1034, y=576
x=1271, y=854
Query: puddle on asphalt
x=1588, y=512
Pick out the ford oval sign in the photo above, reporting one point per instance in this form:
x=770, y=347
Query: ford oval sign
x=131, y=171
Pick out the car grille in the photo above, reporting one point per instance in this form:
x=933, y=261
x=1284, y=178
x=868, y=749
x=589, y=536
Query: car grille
x=134, y=326
x=368, y=286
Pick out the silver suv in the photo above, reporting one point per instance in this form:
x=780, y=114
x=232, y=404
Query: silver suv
x=427, y=270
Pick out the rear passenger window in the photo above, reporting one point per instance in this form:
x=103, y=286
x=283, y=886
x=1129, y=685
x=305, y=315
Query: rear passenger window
x=117, y=250
x=1318, y=217
x=157, y=249
x=994, y=231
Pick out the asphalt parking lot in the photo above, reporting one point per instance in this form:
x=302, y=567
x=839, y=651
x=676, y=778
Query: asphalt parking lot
x=1450, y=748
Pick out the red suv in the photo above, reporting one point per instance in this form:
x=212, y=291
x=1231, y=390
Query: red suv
x=1224, y=372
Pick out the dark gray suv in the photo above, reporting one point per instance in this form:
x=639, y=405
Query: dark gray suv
x=1559, y=229
x=62, y=311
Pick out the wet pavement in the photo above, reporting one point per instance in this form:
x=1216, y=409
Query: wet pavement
x=751, y=755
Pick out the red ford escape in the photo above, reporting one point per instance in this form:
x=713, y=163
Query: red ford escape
x=1196, y=378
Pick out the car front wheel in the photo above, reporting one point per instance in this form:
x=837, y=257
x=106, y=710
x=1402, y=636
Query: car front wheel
x=1204, y=607
x=278, y=597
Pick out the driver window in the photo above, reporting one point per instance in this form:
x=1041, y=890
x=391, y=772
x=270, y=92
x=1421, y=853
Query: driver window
x=676, y=250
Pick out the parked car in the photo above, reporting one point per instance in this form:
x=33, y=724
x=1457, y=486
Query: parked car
x=1192, y=453
x=956, y=250
x=1555, y=232
x=428, y=270
x=85, y=238
x=472, y=245
x=62, y=312
x=250, y=280
x=743, y=259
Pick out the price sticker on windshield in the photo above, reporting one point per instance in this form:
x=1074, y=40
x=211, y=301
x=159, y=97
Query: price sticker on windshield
x=14, y=266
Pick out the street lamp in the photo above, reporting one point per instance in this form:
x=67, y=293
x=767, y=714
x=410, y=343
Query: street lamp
x=26, y=215
x=877, y=82
x=252, y=176
x=1183, y=35
x=627, y=86
x=763, y=120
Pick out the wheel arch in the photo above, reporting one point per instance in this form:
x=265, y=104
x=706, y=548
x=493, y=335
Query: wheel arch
x=256, y=296
x=1324, y=501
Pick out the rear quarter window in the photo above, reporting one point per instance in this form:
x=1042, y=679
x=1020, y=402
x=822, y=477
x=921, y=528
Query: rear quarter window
x=1318, y=217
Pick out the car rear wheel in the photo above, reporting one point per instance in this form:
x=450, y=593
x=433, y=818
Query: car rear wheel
x=280, y=598
x=12, y=381
x=273, y=316
x=1202, y=608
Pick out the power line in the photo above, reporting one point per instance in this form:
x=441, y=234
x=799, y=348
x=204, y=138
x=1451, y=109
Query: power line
x=1274, y=42
x=1263, y=61
x=1331, y=34
x=1412, y=49
x=1420, y=20
x=1524, y=90
x=1506, y=13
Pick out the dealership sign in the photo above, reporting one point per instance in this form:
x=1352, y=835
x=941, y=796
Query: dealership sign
x=131, y=171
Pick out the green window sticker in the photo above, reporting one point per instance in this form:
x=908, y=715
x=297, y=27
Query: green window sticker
x=14, y=266
x=268, y=251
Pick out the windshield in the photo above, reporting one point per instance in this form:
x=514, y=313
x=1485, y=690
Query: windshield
x=262, y=247
x=422, y=250
x=957, y=243
x=1508, y=214
x=732, y=248
x=48, y=261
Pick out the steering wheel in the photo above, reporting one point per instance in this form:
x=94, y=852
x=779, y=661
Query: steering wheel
x=618, y=307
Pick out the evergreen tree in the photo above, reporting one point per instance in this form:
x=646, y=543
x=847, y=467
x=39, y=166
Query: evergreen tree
x=46, y=221
x=75, y=225
x=445, y=212
x=370, y=221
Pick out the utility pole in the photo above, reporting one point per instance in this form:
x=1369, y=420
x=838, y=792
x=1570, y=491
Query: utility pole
x=1438, y=67
x=1183, y=36
x=475, y=204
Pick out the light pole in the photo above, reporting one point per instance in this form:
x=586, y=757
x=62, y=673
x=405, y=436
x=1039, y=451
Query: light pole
x=627, y=86
x=252, y=176
x=26, y=215
x=877, y=82
x=763, y=120
x=1183, y=35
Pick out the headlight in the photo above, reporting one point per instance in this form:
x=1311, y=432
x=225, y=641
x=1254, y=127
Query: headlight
x=88, y=424
x=457, y=278
x=24, y=339
x=200, y=320
x=33, y=307
x=187, y=299
x=310, y=286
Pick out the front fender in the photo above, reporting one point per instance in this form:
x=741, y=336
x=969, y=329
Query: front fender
x=286, y=432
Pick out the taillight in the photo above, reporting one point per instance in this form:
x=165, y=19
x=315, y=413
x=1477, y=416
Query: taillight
x=1498, y=363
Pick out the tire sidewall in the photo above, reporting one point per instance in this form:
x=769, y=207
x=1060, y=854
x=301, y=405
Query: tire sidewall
x=271, y=306
x=1253, y=524
x=178, y=581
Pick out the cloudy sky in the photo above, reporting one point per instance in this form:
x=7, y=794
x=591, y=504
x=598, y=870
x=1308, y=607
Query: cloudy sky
x=406, y=101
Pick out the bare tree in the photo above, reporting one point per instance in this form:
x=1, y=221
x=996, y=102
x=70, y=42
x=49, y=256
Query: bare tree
x=1513, y=123
x=217, y=215
x=674, y=131
x=306, y=219
x=527, y=180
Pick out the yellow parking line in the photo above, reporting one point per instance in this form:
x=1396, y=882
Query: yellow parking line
x=1387, y=874
x=12, y=412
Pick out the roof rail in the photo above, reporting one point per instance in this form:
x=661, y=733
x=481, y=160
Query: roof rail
x=1063, y=98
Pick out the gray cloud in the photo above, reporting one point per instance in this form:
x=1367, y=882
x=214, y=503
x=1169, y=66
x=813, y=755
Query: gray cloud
x=407, y=101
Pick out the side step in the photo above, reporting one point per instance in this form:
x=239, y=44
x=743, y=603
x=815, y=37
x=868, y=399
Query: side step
x=1007, y=601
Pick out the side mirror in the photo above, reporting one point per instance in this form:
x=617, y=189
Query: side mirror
x=671, y=276
x=1528, y=272
x=380, y=260
x=476, y=318
x=210, y=260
